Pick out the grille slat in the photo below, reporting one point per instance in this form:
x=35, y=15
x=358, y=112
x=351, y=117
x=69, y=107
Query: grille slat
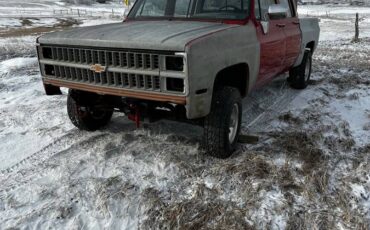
x=109, y=78
x=70, y=54
x=141, y=82
x=125, y=80
x=157, y=83
x=79, y=75
x=65, y=54
x=61, y=71
x=155, y=62
x=68, y=72
x=140, y=61
x=56, y=68
x=73, y=73
x=83, y=56
x=119, y=79
x=104, y=79
x=53, y=53
x=96, y=78
x=149, y=82
x=59, y=54
x=76, y=74
x=125, y=60
x=131, y=60
x=88, y=57
x=109, y=58
x=77, y=55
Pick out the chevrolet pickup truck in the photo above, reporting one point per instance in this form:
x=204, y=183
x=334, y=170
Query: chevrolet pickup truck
x=189, y=60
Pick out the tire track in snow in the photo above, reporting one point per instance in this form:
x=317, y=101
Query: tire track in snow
x=261, y=103
x=32, y=168
x=262, y=107
x=42, y=154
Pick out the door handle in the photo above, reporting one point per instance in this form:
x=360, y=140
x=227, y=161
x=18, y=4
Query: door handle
x=280, y=25
x=296, y=23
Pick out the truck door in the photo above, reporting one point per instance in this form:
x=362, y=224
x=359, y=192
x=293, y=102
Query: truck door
x=272, y=43
x=292, y=32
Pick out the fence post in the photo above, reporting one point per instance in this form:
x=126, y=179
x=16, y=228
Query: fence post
x=78, y=12
x=357, y=30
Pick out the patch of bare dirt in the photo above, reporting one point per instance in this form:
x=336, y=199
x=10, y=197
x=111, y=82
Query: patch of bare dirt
x=26, y=22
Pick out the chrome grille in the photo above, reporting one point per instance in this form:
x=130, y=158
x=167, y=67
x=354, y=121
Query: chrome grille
x=125, y=59
x=113, y=79
x=123, y=69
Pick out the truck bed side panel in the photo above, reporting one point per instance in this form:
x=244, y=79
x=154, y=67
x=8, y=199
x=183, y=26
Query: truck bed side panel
x=310, y=33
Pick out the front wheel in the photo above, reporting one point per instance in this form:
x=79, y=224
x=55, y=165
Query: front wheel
x=86, y=117
x=222, y=125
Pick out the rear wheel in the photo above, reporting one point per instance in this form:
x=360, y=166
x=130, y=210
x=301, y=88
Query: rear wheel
x=86, y=117
x=222, y=125
x=299, y=76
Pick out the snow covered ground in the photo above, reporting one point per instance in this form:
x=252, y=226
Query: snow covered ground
x=20, y=18
x=310, y=170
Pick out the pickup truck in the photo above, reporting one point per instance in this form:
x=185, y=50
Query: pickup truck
x=188, y=60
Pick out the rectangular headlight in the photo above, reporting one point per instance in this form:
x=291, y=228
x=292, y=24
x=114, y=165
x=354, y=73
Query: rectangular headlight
x=175, y=84
x=174, y=63
x=47, y=53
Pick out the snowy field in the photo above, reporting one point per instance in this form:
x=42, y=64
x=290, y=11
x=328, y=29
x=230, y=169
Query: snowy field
x=310, y=170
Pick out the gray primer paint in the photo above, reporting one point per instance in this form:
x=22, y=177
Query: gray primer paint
x=151, y=35
x=210, y=54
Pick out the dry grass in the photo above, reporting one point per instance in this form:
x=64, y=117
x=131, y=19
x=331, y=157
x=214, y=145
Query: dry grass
x=196, y=214
x=353, y=80
x=290, y=118
x=286, y=180
x=303, y=146
x=251, y=166
x=341, y=54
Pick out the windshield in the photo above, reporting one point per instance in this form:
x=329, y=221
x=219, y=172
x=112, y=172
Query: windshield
x=202, y=9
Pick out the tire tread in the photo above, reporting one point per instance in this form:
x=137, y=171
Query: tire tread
x=216, y=142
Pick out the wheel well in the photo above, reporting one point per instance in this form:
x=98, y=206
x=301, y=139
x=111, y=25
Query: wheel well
x=235, y=76
x=311, y=46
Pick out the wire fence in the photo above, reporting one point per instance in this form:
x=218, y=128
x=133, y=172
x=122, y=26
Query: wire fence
x=23, y=13
x=342, y=13
x=334, y=15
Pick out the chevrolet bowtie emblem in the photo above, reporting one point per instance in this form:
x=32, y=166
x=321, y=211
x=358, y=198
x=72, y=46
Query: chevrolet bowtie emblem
x=97, y=68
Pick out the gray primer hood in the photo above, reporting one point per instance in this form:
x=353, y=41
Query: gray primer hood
x=153, y=35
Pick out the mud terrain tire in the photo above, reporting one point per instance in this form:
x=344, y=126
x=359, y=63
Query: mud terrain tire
x=299, y=76
x=85, y=117
x=222, y=125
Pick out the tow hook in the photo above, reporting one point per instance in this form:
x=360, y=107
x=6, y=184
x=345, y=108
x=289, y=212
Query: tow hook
x=135, y=115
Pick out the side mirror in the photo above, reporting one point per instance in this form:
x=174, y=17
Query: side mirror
x=278, y=11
